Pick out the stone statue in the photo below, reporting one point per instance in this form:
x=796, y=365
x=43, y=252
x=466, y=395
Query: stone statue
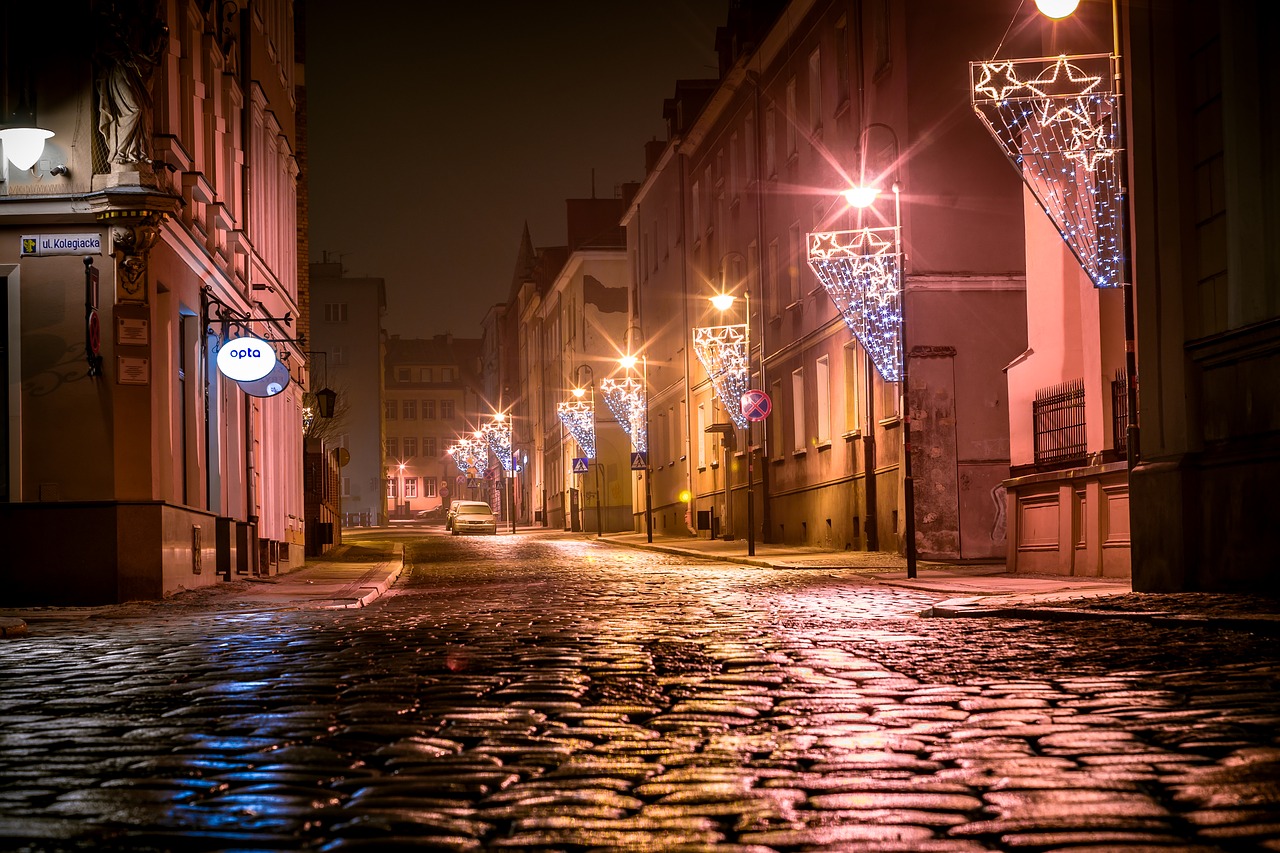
x=131, y=44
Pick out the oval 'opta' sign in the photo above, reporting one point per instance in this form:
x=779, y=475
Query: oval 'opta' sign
x=246, y=359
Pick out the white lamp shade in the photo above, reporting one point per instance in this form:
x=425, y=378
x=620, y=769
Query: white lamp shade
x=861, y=196
x=24, y=145
x=1057, y=8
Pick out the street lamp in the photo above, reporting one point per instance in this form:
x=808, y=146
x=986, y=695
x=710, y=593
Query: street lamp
x=725, y=351
x=628, y=399
x=579, y=418
x=868, y=285
x=497, y=433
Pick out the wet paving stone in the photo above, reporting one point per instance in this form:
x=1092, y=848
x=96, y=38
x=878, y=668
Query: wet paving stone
x=559, y=695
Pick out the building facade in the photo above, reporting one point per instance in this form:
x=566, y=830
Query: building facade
x=810, y=100
x=157, y=223
x=348, y=356
x=430, y=394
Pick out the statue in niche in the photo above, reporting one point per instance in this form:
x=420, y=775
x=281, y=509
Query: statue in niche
x=131, y=44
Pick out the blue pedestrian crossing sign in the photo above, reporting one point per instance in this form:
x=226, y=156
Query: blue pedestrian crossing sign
x=640, y=460
x=581, y=464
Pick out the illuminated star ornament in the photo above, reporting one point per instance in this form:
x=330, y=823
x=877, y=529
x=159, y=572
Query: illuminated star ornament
x=579, y=418
x=861, y=272
x=627, y=400
x=723, y=352
x=1057, y=121
x=498, y=435
x=471, y=455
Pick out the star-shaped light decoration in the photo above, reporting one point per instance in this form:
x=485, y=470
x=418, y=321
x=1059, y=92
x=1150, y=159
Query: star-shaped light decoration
x=998, y=80
x=628, y=402
x=861, y=272
x=722, y=350
x=1058, y=131
x=579, y=418
x=497, y=432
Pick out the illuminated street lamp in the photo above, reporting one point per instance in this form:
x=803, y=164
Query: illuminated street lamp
x=628, y=400
x=579, y=417
x=1057, y=8
x=725, y=353
x=497, y=433
x=862, y=272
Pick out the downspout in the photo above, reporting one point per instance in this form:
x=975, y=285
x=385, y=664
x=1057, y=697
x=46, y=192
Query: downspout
x=690, y=519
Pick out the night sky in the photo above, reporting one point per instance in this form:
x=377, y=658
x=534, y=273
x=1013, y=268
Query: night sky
x=436, y=131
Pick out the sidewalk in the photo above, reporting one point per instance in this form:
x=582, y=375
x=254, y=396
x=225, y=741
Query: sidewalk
x=988, y=589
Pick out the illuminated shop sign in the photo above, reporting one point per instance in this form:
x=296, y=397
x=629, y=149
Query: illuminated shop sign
x=246, y=359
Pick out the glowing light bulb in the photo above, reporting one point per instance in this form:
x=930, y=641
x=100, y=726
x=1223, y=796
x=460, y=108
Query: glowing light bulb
x=861, y=196
x=722, y=301
x=24, y=145
x=1057, y=8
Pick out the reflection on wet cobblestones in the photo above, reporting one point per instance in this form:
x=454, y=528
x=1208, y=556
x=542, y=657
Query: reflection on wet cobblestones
x=526, y=695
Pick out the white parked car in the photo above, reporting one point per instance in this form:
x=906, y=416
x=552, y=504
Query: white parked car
x=474, y=517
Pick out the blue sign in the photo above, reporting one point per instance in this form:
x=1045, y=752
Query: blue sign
x=756, y=405
x=640, y=461
x=581, y=464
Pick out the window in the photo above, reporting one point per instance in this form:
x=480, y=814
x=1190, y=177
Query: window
x=702, y=436
x=880, y=55
x=338, y=354
x=391, y=488
x=770, y=143
x=815, y=90
x=410, y=487
x=695, y=199
x=410, y=410
x=749, y=146
x=852, y=386
x=425, y=375
x=793, y=141
x=446, y=374
x=429, y=447
x=822, y=395
x=393, y=448
x=773, y=299
x=410, y=447
x=390, y=409
x=842, y=63
x=446, y=410
x=797, y=409
x=402, y=374
x=335, y=312
x=429, y=487
x=733, y=166
x=775, y=422
x=795, y=251
x=346, y=487
x=428, y=410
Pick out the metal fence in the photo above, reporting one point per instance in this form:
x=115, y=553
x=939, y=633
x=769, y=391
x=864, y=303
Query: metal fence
x=1059, y=423
x=1120, y=411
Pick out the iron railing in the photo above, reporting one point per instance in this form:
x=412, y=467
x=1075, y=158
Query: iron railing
x=1120, y=411
x=1058, y=411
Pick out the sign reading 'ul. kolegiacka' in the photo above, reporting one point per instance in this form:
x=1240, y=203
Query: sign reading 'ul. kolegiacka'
x=38, y=245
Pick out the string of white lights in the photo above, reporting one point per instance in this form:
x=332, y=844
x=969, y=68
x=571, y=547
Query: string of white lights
x=627, y=400
x=723, y=353
x=861, y=273
x=579, y=418
x=498, y=435
x=470, y=455
x=1056, y=121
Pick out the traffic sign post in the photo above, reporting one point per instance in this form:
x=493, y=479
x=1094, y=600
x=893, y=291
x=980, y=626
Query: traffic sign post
x=581, y=464
x=640, y=460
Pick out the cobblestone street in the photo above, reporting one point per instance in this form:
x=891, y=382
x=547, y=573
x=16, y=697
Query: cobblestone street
x=517, y=693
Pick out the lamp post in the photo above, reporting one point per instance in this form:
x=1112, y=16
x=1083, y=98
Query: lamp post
x=497, y=432
x=722, y=302
x=861, y=197
x=592, y=457
x=629, y=362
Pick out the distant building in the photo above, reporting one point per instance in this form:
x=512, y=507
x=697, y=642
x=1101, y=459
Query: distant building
x=347, y=356
x=430, y=396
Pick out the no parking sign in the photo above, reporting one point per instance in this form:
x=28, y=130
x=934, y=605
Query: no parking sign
x=756, y=405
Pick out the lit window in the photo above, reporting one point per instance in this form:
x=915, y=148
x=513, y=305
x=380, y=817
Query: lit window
x=428, y=487
x=410, y=487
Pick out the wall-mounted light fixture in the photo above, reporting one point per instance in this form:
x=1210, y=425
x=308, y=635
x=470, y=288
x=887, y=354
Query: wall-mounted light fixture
x=23, y=145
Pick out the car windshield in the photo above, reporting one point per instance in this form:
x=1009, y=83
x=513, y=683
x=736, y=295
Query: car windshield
x=473, y=510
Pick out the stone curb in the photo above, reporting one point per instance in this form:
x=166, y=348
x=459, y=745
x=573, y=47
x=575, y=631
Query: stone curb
x=1249, y=624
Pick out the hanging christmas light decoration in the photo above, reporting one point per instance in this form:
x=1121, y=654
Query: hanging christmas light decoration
x=579, y=417
x=723, y=353
x=627, y=400
x=471, y=455
x=497, y=432
x=1057, y=121
x=860, y=271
